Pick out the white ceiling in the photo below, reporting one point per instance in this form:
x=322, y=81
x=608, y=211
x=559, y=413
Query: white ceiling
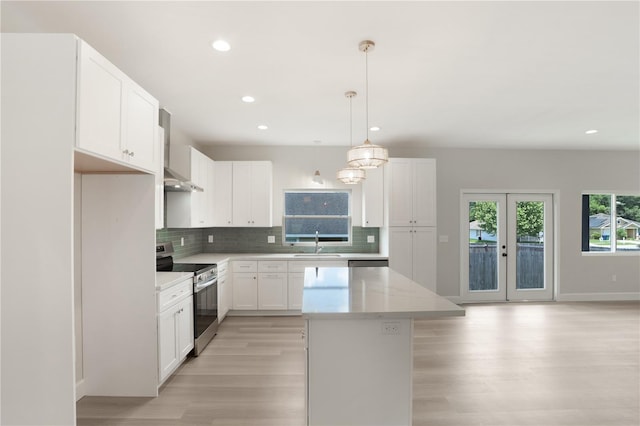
x=443, y=74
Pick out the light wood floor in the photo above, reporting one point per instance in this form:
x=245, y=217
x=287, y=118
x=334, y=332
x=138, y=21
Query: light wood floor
x=507, y=364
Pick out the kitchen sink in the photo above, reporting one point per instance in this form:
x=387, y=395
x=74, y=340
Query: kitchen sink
x=317, y=255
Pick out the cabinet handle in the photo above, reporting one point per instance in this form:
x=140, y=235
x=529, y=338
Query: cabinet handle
x=132, y=153
x=125, y=152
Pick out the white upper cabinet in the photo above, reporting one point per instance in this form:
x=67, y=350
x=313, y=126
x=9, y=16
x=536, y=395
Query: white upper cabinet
x=373, y=198
x=140, y=123
x=223, y=207
x=251, y=193
x=191, y=209
x=100, y=88
x=117, y=119
x=412, y=191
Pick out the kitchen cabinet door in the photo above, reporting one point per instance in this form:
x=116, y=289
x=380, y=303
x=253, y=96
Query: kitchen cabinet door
x=401, y=250
x=412, y=252
x=261, y=196
x=184, y=325
x=424, y=192
x=412, y=191
x=223, y=203
x=100, y=90
x=242, y=193
x=167, y=343
x=252, y=198
x=272, y=291
x=245, y=290
x=424, y=257
x=140, y=122
x=295, y=286
x=223, y=291
x=373, y=198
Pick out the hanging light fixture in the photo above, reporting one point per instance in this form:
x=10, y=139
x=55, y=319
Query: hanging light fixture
x=351, y=175
x=367, y=155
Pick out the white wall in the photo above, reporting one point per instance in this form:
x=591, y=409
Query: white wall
x=293, y=168
x=567, y=173
x=77, y=280
x=38, y=104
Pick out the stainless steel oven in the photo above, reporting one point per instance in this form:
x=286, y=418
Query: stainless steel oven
x=205, y=304
x=205, y=293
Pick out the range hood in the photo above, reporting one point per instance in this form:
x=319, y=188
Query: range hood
x=173, y=181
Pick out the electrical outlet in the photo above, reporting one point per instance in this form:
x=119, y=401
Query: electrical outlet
x=371, y=238
x=182, y=241
x=390, y=327
x=210, y=238
x=271, y=239
x=614, y=278
x=443, y=238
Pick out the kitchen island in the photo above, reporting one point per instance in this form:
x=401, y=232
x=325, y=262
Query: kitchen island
x=359, y=342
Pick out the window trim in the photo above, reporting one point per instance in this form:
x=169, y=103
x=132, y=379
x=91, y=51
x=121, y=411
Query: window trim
x=613, y=215
x=349, y=217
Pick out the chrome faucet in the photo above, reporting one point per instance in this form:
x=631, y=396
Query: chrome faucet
x=318, y=248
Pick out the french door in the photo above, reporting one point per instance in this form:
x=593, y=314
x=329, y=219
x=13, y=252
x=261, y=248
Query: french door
x=507, y=247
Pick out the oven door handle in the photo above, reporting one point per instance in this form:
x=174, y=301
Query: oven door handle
x=201, y=286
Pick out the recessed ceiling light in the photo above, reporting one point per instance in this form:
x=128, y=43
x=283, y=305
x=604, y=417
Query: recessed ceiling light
x=248, y=99
x=263, y=127
x=591, y=132
x=374, y=128
x=221, y=46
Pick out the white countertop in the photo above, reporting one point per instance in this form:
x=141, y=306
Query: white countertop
x=369, y=293
x=220, y=257
x=165, y=280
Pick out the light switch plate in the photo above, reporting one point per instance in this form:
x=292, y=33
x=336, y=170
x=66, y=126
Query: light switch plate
x=371, y=238
x=210, y=238
x=271, y=239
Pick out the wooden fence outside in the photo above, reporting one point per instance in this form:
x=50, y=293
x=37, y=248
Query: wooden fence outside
x=483, y=266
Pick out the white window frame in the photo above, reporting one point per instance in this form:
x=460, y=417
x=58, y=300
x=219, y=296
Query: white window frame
x=613, y=238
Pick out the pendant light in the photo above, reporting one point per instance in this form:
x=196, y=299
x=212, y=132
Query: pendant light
x=367, y=155
x=351, y=175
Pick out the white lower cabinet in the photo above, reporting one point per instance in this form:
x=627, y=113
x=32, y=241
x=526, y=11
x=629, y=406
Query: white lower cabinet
x=245, y=284
x=224, y=291
x=296, y=285
x=412, y=252
x=259, y=285
x=175, y=327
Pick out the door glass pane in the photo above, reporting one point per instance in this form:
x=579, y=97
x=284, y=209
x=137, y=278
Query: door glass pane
x=483, y=246
x=529, y=245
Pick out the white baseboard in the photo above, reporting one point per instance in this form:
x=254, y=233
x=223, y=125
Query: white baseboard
x=598, y=297
x=269, y=313
x=572, y=297
x=80, y=391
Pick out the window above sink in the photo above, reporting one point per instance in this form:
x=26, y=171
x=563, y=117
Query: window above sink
x=325, y=212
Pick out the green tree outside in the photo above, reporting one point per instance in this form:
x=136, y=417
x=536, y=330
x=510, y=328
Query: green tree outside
x=529, y=214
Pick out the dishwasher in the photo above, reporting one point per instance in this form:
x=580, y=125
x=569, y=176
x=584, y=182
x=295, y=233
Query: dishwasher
x=363, y=263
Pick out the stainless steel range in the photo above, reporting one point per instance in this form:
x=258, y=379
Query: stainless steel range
x=205, y=293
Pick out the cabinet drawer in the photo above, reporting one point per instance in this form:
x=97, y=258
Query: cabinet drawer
x=245, y=266
x=298, y=266
x=272, y=266
x=175, y=294
x=222, y=268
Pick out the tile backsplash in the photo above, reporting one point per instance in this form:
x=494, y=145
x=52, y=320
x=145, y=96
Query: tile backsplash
x=254, y=240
